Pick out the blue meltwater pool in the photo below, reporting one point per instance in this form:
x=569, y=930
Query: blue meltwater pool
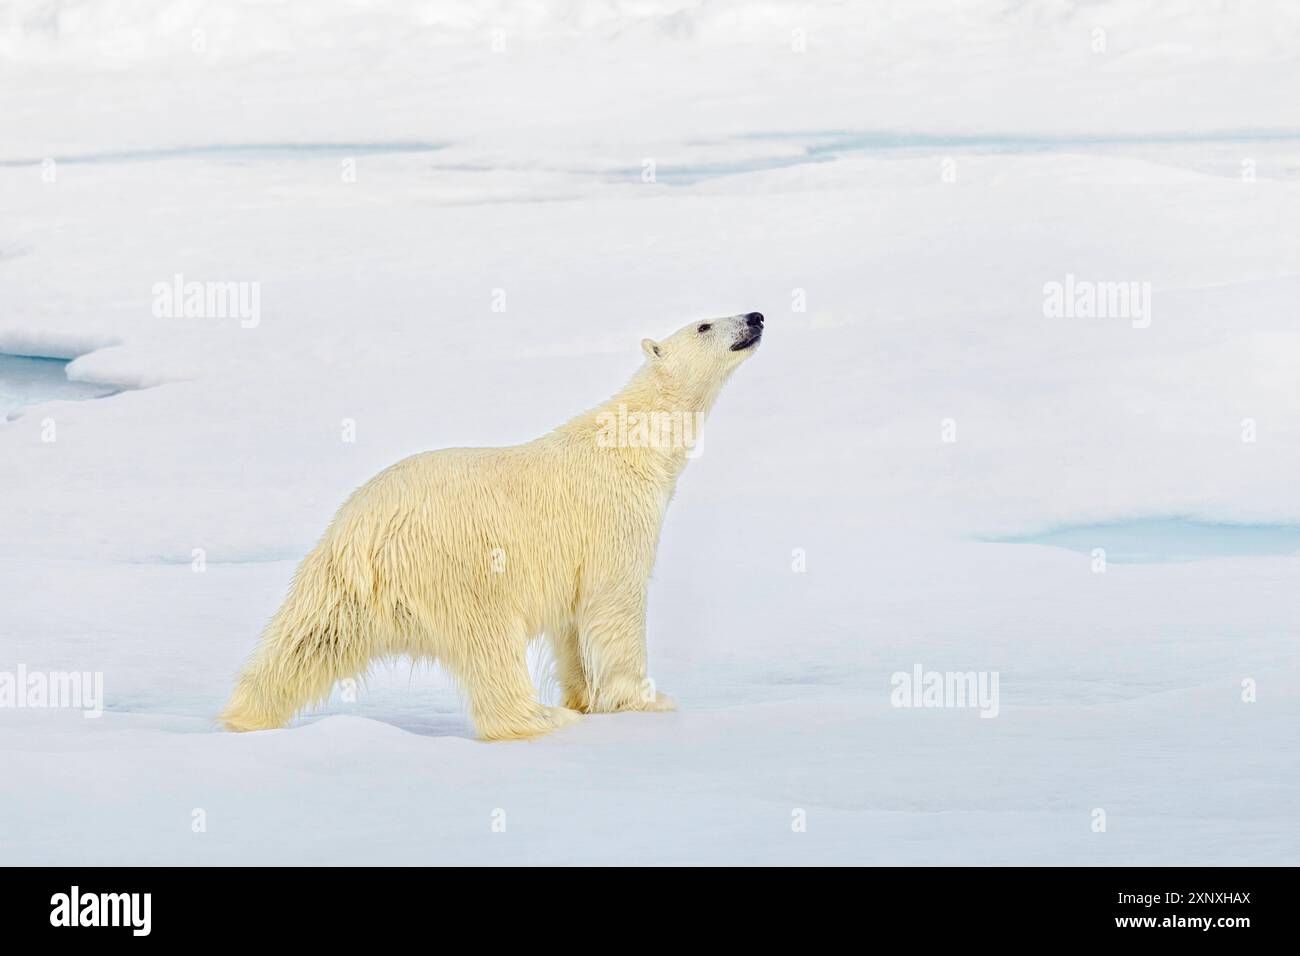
x=26, y=381
x=1152, y=540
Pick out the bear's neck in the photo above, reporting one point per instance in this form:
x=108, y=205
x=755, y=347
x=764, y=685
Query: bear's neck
x=651, y=426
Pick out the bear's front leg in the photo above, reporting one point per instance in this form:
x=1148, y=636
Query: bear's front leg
x=612, y=642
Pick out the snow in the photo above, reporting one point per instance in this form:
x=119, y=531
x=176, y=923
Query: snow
x=776, y=173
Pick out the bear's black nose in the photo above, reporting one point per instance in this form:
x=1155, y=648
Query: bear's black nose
x=754, y=320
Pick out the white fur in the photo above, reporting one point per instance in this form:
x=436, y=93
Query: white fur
x=464, y=555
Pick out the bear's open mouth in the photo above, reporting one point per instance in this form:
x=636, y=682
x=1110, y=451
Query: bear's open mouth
x=746, y=343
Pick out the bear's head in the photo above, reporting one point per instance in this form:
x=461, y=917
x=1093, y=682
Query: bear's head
x=698, y=358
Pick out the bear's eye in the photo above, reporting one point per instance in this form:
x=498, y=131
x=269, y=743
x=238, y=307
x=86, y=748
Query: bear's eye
x=704, y=328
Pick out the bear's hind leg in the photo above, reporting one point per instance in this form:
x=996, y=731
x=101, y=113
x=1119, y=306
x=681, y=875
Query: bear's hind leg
x=568, y=669
x=502, y=699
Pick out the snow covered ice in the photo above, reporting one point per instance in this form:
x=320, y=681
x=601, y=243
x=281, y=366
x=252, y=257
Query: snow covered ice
x=893, y=186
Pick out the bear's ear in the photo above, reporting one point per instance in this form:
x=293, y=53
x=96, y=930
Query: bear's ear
x=651, y=348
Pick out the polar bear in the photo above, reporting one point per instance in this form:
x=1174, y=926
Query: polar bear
x=465, y=555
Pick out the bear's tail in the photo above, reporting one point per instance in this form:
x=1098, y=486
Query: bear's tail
x=317, y=637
